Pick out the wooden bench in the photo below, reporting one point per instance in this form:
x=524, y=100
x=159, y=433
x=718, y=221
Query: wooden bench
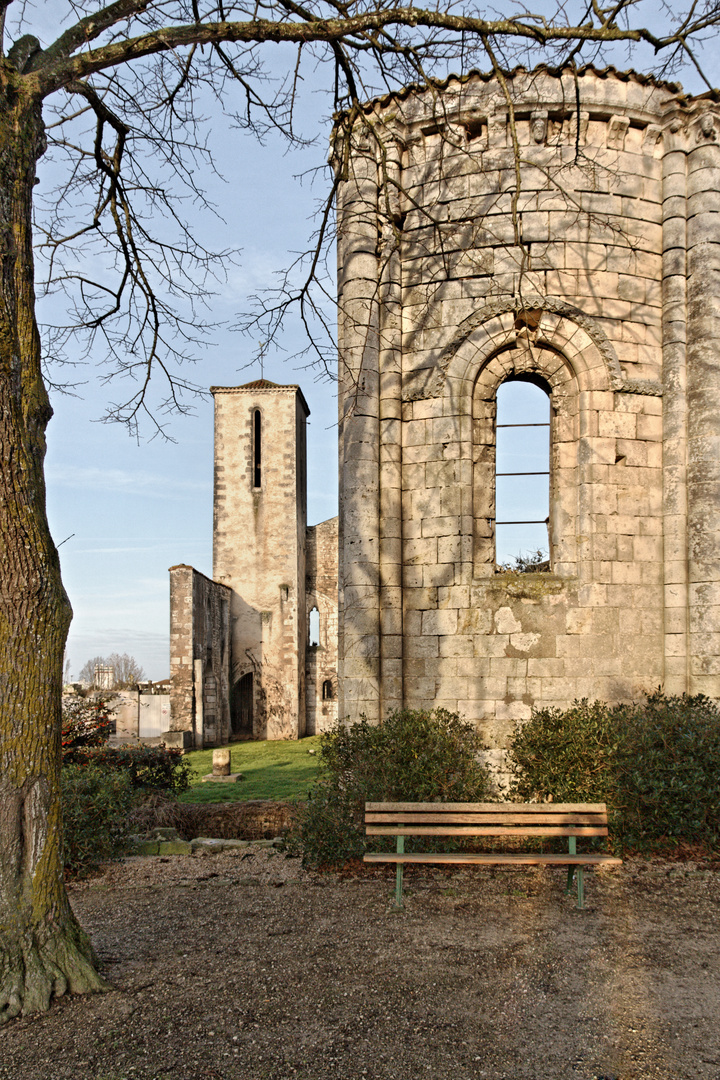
x=538, y=820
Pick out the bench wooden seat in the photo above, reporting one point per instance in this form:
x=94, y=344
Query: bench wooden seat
x=531, y=820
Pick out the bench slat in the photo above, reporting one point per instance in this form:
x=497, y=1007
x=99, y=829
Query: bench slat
x=481, y=830
x=490, y=808
x=532, y=860
x=485, y=819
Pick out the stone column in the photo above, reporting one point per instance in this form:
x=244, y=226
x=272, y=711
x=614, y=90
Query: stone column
x=358, y=394
x=198, y=683
x=674, y=330
x=390, y=429
x=703, y=397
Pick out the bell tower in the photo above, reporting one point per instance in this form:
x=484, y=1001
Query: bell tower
x=259, y=552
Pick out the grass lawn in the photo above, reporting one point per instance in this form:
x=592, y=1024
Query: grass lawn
x=272, y=770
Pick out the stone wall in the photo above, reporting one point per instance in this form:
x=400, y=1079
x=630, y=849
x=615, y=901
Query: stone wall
x=199, y=656
x=598, y=280
x=322, y=659
x=138, y=715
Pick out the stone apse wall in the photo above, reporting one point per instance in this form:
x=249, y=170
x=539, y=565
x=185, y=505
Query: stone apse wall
x=598, y=278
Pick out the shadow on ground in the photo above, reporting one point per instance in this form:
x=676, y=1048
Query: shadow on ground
x=245, y=966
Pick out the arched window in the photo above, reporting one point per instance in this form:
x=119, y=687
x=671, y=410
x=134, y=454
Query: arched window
x=327, y=690
x=522, y=473
x=257, y=448
x=314, y=627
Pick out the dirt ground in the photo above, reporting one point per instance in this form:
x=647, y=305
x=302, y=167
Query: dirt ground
x=245, y=966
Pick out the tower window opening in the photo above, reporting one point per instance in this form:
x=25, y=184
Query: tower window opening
x=522, y=476
x=257, y=448
x=314, y=627
x=327, y=690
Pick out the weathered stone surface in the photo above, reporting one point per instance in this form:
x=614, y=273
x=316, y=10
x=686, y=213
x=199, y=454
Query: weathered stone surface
x=221, y=761
x=174, y=847
x=146, y=847
x=202, y=843
x=242, y=661
x=635, y=499
x=199, y=640
x=222, y=778
x=321, y=660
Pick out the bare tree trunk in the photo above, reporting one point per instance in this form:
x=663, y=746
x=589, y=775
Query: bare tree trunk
x=43, y=951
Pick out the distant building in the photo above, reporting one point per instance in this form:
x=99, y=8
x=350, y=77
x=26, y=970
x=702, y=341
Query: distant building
x=104, y=677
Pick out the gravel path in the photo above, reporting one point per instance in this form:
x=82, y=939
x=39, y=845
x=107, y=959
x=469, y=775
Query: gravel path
x=245, y=966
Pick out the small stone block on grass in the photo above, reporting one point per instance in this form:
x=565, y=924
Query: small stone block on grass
x=221, y=762
x=230, y=778
x=209, y=844
x=146, y=847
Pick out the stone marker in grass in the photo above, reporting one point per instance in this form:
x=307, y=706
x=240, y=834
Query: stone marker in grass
x=221, y=767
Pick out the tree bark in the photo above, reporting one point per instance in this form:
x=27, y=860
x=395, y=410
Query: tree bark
x=43, y=951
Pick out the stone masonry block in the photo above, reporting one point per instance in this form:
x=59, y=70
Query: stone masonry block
x=439, y=621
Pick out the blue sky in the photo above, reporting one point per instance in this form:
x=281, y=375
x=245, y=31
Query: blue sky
x=130, y=510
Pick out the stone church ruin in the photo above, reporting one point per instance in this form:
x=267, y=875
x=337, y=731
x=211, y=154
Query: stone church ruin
x=242, y=662
x=597, y=279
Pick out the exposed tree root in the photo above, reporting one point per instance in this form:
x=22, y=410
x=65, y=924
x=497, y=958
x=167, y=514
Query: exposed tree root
x=34, y=973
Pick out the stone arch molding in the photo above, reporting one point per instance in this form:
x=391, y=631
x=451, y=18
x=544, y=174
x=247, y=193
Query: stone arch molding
x=537, y=321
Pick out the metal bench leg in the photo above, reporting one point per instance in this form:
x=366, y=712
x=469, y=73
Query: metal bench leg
x=572, y=850
x=399, y=873
x=581, y=893
x=571, y=875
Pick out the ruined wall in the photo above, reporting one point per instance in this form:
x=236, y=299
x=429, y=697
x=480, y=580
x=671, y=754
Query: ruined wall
x=322, y=659
x=140, y=716
x=259, y=552
x=590, y=279
x=199, y=656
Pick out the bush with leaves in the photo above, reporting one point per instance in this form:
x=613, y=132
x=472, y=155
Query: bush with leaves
x=529, y=562
x=96, y=804
x=85, y=723
x=413, y=756
x=148, y=768
x=656, y=763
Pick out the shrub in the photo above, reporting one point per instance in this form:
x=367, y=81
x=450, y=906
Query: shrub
x=565, y=755
x=148, y=768
x=96, y=804
x=85, y=723
x=413, y=756
x=530, y=562
x=656, y=764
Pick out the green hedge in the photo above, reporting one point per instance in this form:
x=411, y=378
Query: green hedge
x=96, y=804
x=149, y=768
x=100, y=788
x=656, y=764
x=413, y=756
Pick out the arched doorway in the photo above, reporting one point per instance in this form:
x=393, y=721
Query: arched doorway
x=241, y=706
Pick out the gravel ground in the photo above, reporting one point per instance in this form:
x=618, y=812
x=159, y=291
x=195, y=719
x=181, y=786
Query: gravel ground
x=245, y=966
